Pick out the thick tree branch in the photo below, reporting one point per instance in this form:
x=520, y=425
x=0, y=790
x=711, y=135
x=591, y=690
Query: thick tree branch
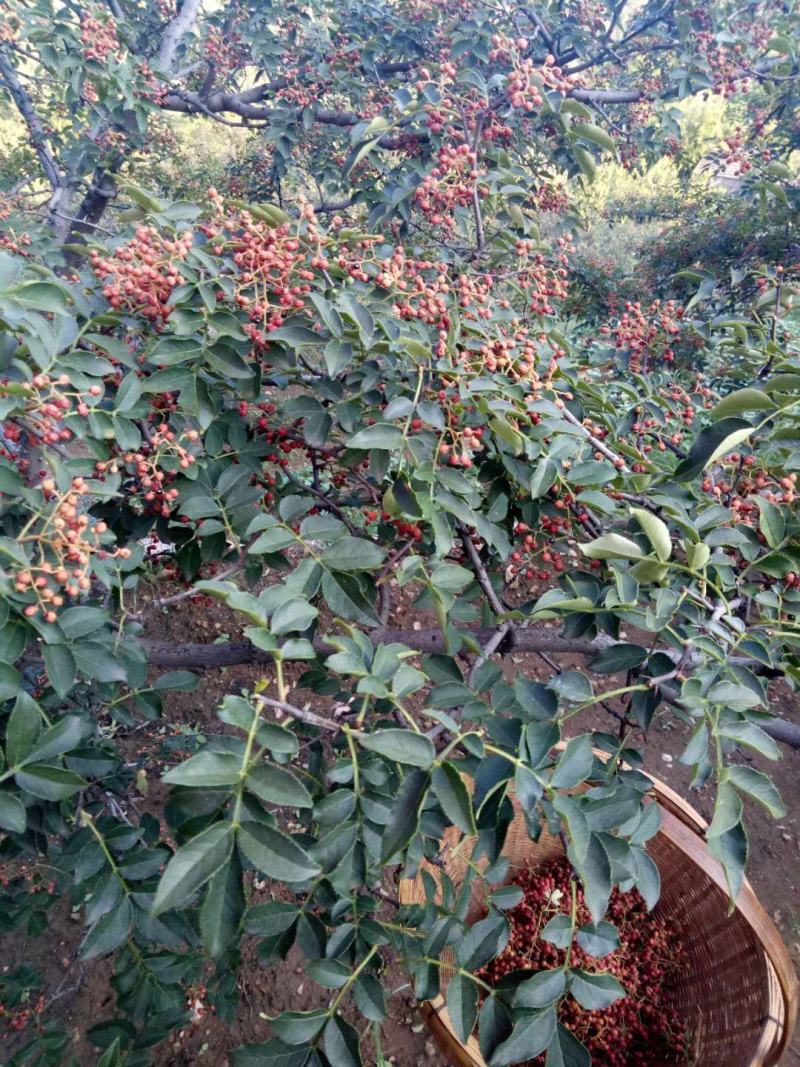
x=522, y=639
x=38, y=137
x=607, y=96
x=174, y=33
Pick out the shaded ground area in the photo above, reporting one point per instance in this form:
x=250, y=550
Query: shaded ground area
x=83, y=996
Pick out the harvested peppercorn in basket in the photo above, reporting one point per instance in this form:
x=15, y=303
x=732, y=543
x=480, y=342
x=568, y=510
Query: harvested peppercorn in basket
x=617, y=995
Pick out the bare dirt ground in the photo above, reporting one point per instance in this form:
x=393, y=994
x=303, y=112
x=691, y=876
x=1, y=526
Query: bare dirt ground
x=84, y=995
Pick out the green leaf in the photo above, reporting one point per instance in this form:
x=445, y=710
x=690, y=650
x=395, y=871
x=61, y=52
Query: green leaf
x=598, y=939
x=66, y=735
x=483, y=941
x=182, y=681
x=506, y=432
x=340, y=1041
x=740, y=401
x=345, y=597
x=139, y=196
x=299, y=1027
x=193, y=865
x=558, y=931
x=728, y=809
x=543, y=989
x=369, y=998
x=222, y=910
x=530, y=1036
x=24, y=725
x=359, y=153
x=453, y=796
x=758, y=786
x=332, y=974
x=271, y=919
x=328, y=313
x=619, y=657
x=573, y=686
x=276, y=785
x=42, y=296
x=575, y=763
x=80, y=621
x=13, y=816
x=752, y=736
x=353, y=554
x=697, y=747
x=612, y=546
x=657, y=532
x=588, y=131
x=494, y=1025
x=462, y=1004
x=404, y=746
x=295, y=336
x=272, y=1053
x=49, y=783
x=109, y=932
x=272, y=540
x=276, y=854
x=404, y=819
x=60, y=666
x=10, y=681
x=711, y=443
x=595, y=873
x=294, y=614
x=128, y=392
x=543, y=477
x=206, y=769
x=595, y=991
x=772, y=523
x=506, y=897
x=648, y=878
x=565, y=1050
x=383, y=435
x=730, y=848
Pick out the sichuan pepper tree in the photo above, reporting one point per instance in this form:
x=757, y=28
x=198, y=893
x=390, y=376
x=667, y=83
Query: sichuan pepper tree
x=313, y=407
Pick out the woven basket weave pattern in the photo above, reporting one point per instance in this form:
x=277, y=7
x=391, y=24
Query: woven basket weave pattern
x=739, y=991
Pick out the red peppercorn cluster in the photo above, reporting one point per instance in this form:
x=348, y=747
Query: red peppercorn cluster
x=153, y=468
x=527, y=82
x=99, y=37
x=9, y=28
x=64, y=542
x=535, y=556
x=275, y=263
x=225, y=49
x=47, y=402
x=588, y=14
x=410, y=530
x=142, y=274
x=643, y=1028
x=649, y=334
x=17, y=243
x=452, y=183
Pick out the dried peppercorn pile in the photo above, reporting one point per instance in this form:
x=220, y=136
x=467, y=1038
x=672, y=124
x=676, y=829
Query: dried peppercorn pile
x=640, y=1029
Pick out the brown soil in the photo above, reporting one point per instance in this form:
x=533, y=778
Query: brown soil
x=84, y=996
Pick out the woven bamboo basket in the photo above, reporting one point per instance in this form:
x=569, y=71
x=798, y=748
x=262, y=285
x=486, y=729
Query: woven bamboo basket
x=739, y=992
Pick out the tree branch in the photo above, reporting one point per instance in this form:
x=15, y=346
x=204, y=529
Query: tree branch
x=607, y=96
x=174, y=33
x=598, y=444
x=525, y=639
x=38, y=138
x=536, y=638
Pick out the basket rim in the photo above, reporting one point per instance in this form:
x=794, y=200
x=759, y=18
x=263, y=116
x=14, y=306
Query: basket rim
x=685, y=828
